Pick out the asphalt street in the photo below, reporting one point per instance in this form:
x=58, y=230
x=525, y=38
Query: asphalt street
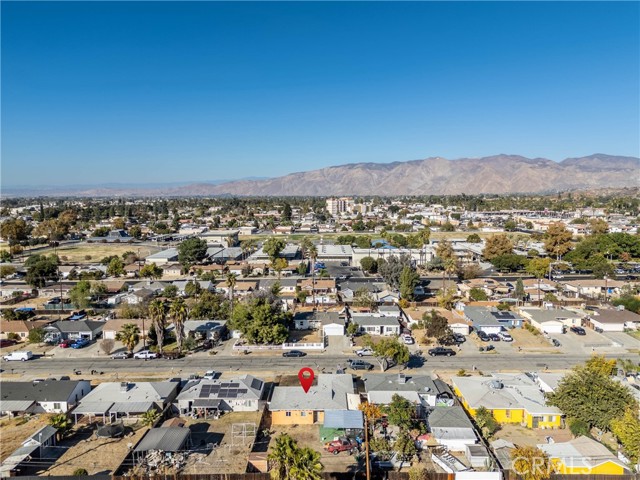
x=252, y=364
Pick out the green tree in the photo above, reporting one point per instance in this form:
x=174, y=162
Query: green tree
x=179, y=313
x=391, y=268
x=400, y=412
x=487, y=423
x=369, y=264
x=626, y=428
x=279, y=264
x=158, y=313
x=14, y=230
x=129, y=336
x=6, y=270
x=151, y=270
x=115, y=267
x=80, y=472
x=289, y=461
x=363, y=298
x=557, y=240
x=273, y=247
x=62, y=423
x=170, y=291
x=352, y=328
x=388, y=350
x=538, y=267
x=531, y=463
x=509, y=262
x=150, y=417
x=191, y=251
x=261, y=320
x=446, y=298
x=80, y=294
x=36, y=335
x=405, y=445
x=135, y=232
x=192, y=289
x=40, y=269
x=519, y=289
x=497, y=245
x=474, y=238
x=409, y=279
x=435, y=325
x=478, y=294
x=601, y=398
x=578, y=427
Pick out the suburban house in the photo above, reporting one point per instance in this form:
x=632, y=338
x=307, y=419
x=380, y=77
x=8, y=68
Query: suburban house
x=421, y=390
x=489, y=286
x=457, y=323
x=171, y=270
x=329, y=322
x=205, y=285
x=222, y=255
x=610, y=320
x=583, y=455
x=33, y=448
x=60, y=396
x=165, y=256
x=556, y=320
x=204, y=397
x=510, y=398
x=113, y=326
x=594, y=288
x=20, y=327
x=292, y=406
x=376, y=324
x=137, y=297
x=74, y=329
x=155, y=287
x=324, y=290
x=206, y=329
x=241, y=288
x=226, y=238
x=127, y=400
x=451, y=428
x=491, y=320
x=287, y=285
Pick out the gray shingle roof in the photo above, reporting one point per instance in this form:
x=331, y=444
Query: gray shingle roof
x=49, y=391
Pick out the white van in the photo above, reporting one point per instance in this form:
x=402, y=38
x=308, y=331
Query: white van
x=22, y=356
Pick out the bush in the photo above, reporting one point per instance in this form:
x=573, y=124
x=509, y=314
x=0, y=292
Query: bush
x=13, y=336
x=578, y=427
x=87, y=257
x=80, y=472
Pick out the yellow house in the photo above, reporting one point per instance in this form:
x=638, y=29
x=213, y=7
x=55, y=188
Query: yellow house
x=583, y=455
x=292, y=406
x=510, y=398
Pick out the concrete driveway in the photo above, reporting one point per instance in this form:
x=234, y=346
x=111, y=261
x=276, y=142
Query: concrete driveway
x=622, y=340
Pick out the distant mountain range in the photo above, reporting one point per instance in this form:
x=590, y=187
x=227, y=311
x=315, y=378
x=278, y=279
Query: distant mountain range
x=500, y=174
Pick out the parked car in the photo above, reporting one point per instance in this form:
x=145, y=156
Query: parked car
x=408, y=340
x=122, y=355
x=145, y=354
x=578, y=330
x=66, y=343
x=459, y=338
x=556, y=343
x=483, y=336
x=505, y=337
x=341, y=445
x=364, y=352
x=494, y=337
x=488, y=348
x=80, y=343
x=22, y=356
x=441, y=351
x=360, y=365
x=294, y=353
x=210, y=375
x=6, y=343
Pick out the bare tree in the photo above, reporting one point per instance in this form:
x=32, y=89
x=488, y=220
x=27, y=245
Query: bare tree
x=107, y=345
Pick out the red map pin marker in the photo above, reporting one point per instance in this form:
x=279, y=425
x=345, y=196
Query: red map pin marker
x=305, y=375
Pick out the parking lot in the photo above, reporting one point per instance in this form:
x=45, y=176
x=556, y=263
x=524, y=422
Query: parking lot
x=591, y=342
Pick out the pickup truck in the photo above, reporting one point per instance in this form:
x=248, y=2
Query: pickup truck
x=364, y=352
x=341, y=445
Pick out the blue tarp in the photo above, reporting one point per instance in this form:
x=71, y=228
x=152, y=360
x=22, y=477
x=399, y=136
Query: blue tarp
x=24, y=309
x=343, y=419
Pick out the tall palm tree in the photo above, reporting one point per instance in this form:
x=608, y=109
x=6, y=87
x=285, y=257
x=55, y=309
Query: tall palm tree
x=129, y=336
x=231, y=283
x=158, y=312
x=450, y=267
x=311, y=252
x=179, y=312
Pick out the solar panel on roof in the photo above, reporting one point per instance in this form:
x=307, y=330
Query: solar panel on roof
x=242, y=391
x=232, y=395
x=256, y=384
x=234, y=385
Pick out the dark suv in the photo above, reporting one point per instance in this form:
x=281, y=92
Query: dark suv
x=578, y=330
x=360, y=365
x=441, y=351
x=483, y=336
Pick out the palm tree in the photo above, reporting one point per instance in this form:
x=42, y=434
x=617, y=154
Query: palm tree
x=310, y=251
x=231, y=283
x=306, y=465
x=150, y=417
x=158, y=312
x=61, y=422
x=282, y=456
x=179, y=313
x=129, y=336
x=450, y=267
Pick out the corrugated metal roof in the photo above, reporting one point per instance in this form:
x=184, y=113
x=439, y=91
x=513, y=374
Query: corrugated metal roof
x=343, y=419
x=131, y=407
x=15, y=405
x=206, y=402
x=166, y=439
x=93, y=407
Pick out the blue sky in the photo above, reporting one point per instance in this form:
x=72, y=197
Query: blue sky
x=163, y=91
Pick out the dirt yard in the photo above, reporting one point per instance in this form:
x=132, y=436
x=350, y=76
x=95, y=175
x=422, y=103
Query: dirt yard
x=96, y=455
x=304, y=336
x=520, y=435
x=528, y=341
x=230, y=456
x=13, y=431
x=97, y=251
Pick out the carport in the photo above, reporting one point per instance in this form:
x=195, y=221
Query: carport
x=341, y=423
x=163, y=439
x=92, y=409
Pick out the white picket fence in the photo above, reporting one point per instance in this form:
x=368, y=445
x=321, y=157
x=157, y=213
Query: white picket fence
x=303, y=346
x=238, y=346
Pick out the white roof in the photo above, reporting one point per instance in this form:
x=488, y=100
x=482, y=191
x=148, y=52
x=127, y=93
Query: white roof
x=581, y=452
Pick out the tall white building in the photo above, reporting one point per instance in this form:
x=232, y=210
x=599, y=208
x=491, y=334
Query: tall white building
x=336, y=206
